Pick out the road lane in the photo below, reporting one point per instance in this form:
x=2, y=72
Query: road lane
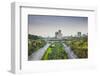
x=38, y=54
x=70, y=53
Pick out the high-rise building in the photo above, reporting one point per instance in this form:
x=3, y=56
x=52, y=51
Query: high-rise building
x=79, y=34
x=58, y=34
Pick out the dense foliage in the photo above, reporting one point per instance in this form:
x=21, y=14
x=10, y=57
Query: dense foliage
x=34, y=43
x=34, y=37
x=79, y=46
x=55, y=51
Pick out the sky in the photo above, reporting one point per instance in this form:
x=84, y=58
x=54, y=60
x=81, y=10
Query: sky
x=46, y=26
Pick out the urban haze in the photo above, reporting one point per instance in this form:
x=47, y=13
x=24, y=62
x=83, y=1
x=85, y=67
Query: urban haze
x=46, y=26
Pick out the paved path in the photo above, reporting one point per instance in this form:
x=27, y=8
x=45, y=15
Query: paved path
x=38, y=54
x=70, y=53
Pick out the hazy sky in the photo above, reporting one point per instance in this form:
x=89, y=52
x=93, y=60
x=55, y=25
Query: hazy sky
x=47, y=25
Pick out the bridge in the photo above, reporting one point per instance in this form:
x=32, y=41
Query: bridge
x=51, y=40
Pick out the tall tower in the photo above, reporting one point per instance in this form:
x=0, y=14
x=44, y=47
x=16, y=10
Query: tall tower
x=58, y=34
x=79, y=34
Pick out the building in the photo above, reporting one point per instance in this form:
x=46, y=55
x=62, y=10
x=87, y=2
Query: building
x=78, y=34
x=58, y=34
x=85, y=35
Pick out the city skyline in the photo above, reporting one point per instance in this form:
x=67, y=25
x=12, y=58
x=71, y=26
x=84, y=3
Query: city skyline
x=47, y=25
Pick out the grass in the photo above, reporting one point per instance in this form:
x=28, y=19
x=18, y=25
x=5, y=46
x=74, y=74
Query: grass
x=55, y=51
x=79, y=47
